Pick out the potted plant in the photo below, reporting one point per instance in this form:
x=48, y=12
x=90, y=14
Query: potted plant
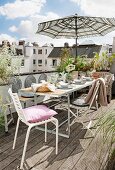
x=2, y=110
x=66, y=65
x=103, y=62
x=8, y=66
x=83, y=65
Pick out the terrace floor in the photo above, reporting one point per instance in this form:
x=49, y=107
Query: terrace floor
x=80, y=152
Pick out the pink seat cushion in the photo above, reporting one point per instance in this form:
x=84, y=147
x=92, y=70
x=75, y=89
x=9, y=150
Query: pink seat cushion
x=38, y=113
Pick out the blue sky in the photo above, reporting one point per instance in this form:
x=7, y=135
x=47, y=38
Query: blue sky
x=19, y=18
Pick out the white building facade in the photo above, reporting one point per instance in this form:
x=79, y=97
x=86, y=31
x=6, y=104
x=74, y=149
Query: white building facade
x=35, y=57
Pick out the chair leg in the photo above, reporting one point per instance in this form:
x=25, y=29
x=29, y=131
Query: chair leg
x=6, y=122
x=25, y=147
x=89, y=124
x=24, y=104
x=11, y=113
x=15, y=137
x=45, y=132
x=96, y=105
x=56, y=137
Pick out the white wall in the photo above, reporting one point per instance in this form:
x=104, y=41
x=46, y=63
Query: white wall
x=29, y=57
x=49, y=63
x=113, y=45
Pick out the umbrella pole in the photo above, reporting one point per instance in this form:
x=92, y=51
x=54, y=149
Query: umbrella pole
x=76, y=48
x=76, y=36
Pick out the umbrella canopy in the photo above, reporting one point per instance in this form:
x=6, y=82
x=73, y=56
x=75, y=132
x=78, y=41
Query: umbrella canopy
x=75, y=26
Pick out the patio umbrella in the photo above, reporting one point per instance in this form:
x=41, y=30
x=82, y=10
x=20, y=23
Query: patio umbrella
x=76, y=26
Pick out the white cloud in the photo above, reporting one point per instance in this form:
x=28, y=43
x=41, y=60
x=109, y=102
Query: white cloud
x=21, y=8
x=7, y=37
x=13, y=28
x=25, y=28
x=97, y=7
x=28, y=28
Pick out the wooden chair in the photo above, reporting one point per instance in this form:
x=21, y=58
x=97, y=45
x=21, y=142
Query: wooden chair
x=33, y=116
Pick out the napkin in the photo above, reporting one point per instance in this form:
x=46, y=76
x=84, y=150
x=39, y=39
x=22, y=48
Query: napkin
x=35, y=86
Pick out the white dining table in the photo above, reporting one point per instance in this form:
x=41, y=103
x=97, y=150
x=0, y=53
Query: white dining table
x=59, y=93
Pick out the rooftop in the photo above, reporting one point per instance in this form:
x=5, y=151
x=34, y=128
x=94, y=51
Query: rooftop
x=88, y=50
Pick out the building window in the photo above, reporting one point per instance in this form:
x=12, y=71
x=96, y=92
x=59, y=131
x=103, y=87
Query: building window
x=34, y=61
x=45, y=51
x=110, y=50
x=19, y=52
x=34, y=51
x=34, y=70
x=22, y=63
x=45, y=62
x=40, y=51
x=40, y=62
x=54, y=62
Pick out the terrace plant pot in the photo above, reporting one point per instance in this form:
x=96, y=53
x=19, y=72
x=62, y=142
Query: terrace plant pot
x=96, y=75
x=4, y=92
x=3, y=100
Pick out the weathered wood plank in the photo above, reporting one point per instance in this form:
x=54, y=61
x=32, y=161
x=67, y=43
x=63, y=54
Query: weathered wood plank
x=63, y=145
x=79, y=152
x=32, y=142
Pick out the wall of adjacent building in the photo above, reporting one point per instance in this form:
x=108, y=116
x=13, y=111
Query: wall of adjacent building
x=35, y=58
x=113, y=45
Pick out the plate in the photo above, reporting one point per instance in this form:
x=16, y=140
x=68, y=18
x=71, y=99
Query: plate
x=88, y=78
x=65, y=88
x=79, y=83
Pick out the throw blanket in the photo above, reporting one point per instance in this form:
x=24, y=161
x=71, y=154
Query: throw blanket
x=101, y=94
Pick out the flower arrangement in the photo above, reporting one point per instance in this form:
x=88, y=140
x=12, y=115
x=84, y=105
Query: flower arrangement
x=70, y=68
x=66, y=60
x=64, y=64
x=65, y=68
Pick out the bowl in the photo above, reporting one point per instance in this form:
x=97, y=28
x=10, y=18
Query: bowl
x=77, y=81
x=63, y=84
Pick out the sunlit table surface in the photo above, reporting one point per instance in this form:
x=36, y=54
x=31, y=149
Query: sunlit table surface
x=60, y=92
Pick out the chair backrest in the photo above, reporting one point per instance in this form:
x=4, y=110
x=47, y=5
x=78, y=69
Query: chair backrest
x=43, y=76
x=95, y=94
x=17, y=104
x=108, y=82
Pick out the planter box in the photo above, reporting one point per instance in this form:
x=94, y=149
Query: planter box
x=5, y=101
x=4, y=92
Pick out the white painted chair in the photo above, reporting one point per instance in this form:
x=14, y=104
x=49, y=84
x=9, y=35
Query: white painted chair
x=27, y=116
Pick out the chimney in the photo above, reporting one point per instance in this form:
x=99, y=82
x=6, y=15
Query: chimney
x=21, y=42
x=66, y=45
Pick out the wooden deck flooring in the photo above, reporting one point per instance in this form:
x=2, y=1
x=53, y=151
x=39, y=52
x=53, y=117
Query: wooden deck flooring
x=80, y=152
